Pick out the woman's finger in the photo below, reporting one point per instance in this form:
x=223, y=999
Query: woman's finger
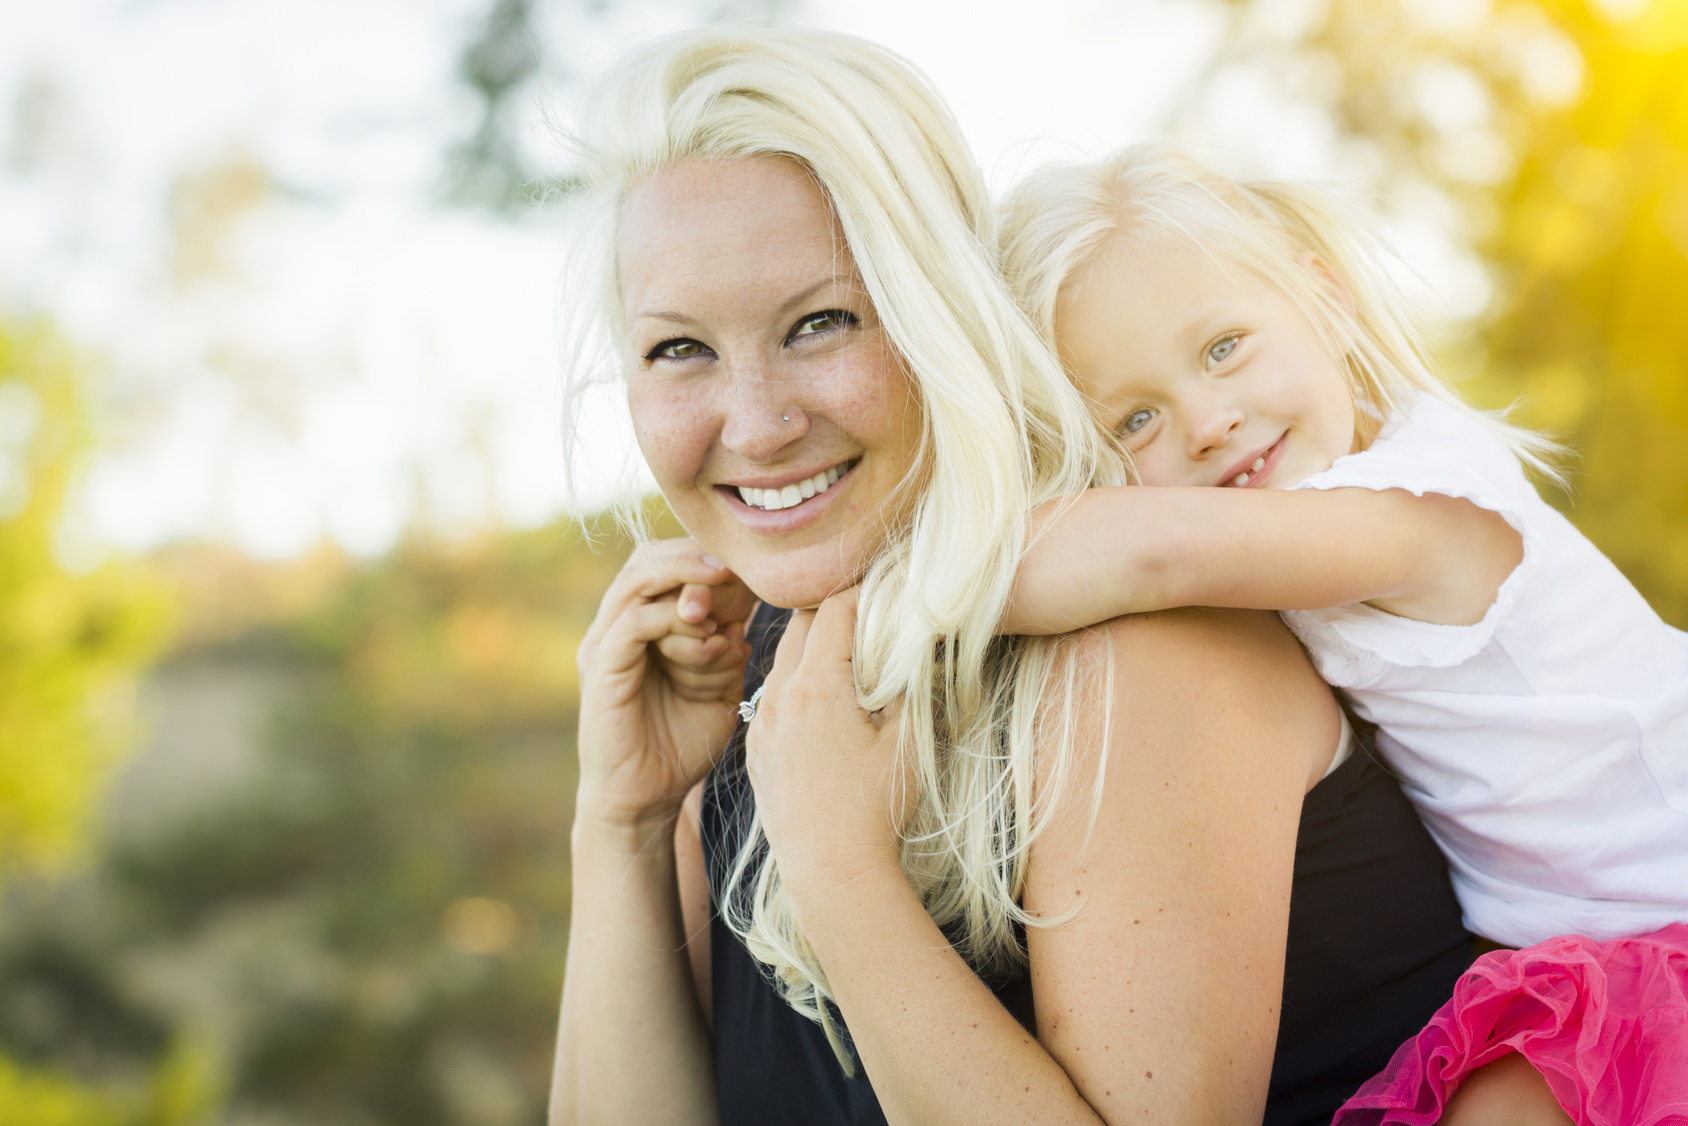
x=832, y=636
x=716, y=653
x=789, y=655
x=695, y=602
x=654, y=569
x=623, y=645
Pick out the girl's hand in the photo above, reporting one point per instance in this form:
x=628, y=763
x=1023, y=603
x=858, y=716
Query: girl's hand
x=661, y=670
x=831, y=787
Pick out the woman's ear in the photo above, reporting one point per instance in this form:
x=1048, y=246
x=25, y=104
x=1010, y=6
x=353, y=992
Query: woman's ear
x=1327, y=277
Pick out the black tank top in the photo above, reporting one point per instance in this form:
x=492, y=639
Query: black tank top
x=1375, y=944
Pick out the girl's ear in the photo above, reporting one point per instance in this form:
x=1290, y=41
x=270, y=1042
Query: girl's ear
x=1327, y=276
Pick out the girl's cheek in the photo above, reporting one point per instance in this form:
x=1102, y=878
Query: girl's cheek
x=1152, y=467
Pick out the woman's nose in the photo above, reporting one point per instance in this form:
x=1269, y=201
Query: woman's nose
x=762, y=415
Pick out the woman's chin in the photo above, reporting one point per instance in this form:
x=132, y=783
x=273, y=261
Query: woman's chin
x=795, y=582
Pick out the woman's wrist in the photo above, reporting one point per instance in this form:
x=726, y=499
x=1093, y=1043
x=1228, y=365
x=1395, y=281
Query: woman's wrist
x=818, y=873
x=610, y=822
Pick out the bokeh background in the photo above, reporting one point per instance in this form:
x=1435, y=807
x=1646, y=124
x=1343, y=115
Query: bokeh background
x=289, y=591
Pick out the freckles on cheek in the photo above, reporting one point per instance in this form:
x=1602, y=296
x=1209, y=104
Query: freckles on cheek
x=672, y=432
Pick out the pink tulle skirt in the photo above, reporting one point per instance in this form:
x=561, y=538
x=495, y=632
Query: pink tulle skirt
x=1606, y=1023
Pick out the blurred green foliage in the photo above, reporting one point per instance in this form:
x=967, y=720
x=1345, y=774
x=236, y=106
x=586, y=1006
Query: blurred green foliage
x=71, y=645
x=370, y=927
x=1592, y=251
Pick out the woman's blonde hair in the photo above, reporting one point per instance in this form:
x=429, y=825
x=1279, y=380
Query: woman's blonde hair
x=1059, y=221
x=1003, y=430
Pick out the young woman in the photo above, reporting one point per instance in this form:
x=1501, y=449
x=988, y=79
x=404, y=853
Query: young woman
x=938, y=876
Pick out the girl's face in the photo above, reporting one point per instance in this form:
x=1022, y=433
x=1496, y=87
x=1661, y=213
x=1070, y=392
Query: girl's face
x=1209, y=374
x=770, y=405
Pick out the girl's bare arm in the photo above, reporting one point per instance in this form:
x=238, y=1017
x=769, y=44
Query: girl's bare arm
x=1127, y=550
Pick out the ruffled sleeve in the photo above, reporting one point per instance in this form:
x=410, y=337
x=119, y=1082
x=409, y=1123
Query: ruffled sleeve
x=1435, y=448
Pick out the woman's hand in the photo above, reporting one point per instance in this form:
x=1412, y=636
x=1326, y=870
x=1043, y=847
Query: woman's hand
x=661, y=669
x=832, y=789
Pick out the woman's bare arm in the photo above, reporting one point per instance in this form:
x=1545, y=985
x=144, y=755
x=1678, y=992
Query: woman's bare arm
x=1160, y=998
x=1158, y=1002
x=632, y=1045
x=633, y=1042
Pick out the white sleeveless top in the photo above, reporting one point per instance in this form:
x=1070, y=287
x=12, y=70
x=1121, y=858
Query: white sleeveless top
x=1545, y=747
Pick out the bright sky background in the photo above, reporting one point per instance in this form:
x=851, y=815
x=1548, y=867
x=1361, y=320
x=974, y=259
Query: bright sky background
x=364, y=356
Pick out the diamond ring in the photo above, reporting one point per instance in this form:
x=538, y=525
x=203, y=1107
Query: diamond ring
x=747, y=708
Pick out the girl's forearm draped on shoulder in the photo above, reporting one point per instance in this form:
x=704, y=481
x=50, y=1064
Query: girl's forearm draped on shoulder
x=1159, y=997
x=1131, y=549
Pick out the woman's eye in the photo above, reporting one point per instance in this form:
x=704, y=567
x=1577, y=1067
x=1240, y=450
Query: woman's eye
x=682, y=349
x=1222, y=349
x=1136, y=420
x=816, y=323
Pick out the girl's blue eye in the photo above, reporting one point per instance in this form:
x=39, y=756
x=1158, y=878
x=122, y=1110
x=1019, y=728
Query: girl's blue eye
x=1136, y=420
x=1222, y=349
x=828, y=319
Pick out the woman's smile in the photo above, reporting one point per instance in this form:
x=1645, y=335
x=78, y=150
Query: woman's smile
x=774, y=496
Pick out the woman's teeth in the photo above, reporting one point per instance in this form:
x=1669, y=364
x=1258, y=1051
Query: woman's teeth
x=1241, y=479
x=772, y=500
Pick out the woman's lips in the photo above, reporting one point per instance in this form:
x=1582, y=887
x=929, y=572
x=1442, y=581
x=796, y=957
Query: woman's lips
x=792, y=495
x=1253, y=474
x=804, y=511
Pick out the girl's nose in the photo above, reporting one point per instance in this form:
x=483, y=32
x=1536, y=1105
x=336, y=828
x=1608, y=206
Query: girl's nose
x=762, y=415
x=1211, y=424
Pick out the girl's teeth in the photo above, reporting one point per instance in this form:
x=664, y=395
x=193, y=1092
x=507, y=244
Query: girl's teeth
x=1240, y=480
x=1258, y=462
x=792, y=496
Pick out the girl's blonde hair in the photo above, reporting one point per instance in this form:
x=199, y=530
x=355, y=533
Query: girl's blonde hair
x=1057, y=224
x=1003, y=430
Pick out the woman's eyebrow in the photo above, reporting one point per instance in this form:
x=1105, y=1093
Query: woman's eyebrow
x=846, y=281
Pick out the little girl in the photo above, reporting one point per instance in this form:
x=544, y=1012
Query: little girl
x=1246, y=347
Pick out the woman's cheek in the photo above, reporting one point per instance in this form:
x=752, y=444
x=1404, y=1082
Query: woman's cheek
x=672, y=429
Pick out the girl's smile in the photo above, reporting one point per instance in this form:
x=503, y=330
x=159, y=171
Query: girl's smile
x=1208, y=373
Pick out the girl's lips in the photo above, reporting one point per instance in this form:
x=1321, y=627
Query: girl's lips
x=778, y=521
x=1253, y=474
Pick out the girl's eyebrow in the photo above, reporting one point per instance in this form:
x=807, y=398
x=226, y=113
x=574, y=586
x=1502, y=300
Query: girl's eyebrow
x=1199, y=326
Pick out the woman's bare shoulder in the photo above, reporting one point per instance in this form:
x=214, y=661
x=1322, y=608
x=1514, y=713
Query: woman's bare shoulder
x=1170, y=875
x=1215, y=676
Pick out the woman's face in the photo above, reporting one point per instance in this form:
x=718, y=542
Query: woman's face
x=775, y=414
